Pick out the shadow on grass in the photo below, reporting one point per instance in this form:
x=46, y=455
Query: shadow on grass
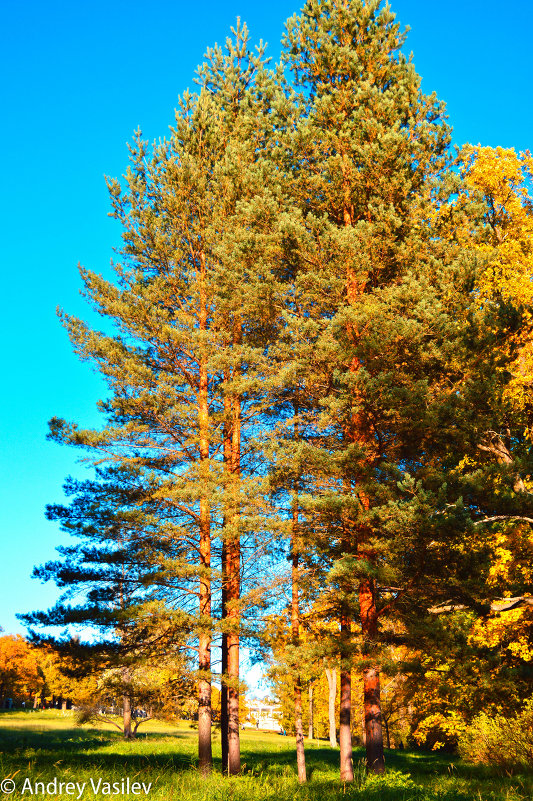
x=87, y=749
x=267, y=760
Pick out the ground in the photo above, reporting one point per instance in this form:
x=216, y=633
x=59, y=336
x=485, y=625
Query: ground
x=47, y=747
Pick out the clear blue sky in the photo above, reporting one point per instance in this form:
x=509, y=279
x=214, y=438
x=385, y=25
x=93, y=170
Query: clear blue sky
x=77, y=79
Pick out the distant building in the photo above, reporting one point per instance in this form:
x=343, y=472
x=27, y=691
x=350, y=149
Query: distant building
x=263, y=715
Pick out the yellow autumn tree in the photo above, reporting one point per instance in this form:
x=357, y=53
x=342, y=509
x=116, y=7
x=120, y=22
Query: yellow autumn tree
x=20, y=677
x=502, y=178
x=509, y=627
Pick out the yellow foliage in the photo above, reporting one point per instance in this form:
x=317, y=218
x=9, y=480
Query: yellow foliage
x=510, y=631
x=19, y=668
x=466, y=464
x=511, y=567
x=449, y=726
x=512, y=557
x=502, y=176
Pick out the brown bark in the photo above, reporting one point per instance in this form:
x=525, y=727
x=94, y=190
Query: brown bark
x=499, y=446
x=140, y=721
x=224, y=734
x=300, y=750
x=295, y=632
x=356, y=431
x=204, y=644
x=234, y=757
x=345, y=733
x=233, y=586
x=331, y=676
x=224, y=691
x=126, y=717
x=311, y=712
x=375, y=759
x=204, y=664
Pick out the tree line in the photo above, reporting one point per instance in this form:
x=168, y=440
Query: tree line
x=317, y=350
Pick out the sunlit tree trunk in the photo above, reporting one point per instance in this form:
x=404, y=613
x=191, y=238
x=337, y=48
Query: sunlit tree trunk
x=204, y=645
x=227, y=446
x=224, y=682
x=233, y=584
x=331, y=676
x=375, y=759
x=345, y=716
x=126, y=717
x=295, y=630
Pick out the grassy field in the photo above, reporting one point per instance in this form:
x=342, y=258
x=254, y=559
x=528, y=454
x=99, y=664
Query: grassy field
x=47, y=747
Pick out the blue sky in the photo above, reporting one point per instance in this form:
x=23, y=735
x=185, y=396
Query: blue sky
x=77, y=79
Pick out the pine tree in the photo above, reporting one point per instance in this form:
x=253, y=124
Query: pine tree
x=110, y=572
x=361, y=166
x=246, y=321
x=187, y=371
x=160, y=413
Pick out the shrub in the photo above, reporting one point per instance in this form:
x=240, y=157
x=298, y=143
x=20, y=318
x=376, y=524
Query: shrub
x=439, y=732
x=505, y=743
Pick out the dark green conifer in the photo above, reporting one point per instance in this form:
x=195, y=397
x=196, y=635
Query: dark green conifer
x=110, y=601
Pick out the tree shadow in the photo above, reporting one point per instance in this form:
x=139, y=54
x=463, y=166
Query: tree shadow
x=162, y=754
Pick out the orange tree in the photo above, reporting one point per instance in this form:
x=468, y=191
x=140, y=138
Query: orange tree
x=20, y=676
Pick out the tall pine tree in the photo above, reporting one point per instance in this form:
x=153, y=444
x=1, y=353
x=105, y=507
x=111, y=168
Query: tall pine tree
x=361, y=167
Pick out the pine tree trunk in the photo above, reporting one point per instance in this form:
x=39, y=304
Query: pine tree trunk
x=295, y=630
x=204, y=664
x=359, y=433
x=126, y=717
x=353, y=433
x=311, y=710
x=224, y=695
x=331, y=676
x=234, y=754
x=375, y=758
x=227, y=450
x=234, y=589
x=345, y=732
x=205, y=758
x=298, y=724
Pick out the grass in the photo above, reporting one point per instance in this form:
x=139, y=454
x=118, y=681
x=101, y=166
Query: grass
x=47, y=746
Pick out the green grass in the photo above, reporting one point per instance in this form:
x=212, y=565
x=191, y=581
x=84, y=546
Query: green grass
x=43, y=746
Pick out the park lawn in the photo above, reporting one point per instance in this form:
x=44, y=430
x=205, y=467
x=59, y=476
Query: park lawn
x=43, y=746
